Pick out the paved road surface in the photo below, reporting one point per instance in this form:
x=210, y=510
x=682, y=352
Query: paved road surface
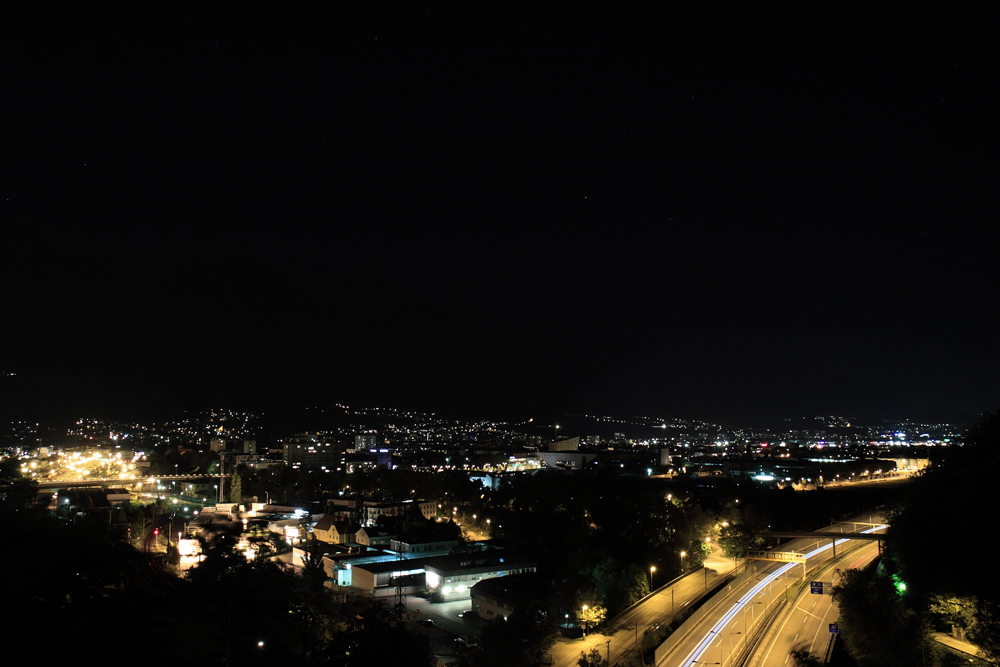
x=656, y=608
x=715, y=635
x=807, y=624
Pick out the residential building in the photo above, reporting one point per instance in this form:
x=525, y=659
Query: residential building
x=331, y=530
x=313, y=450
x=374, y=509
x=375, y=537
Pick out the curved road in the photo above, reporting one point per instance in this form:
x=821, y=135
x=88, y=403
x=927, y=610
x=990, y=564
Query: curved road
x=655, y=609
x=719, y=631
x=807, y=624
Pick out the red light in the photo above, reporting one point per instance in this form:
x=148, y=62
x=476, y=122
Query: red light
x=156, y=531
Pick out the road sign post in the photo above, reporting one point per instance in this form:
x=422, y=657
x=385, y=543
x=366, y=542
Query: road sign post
x=820, y=588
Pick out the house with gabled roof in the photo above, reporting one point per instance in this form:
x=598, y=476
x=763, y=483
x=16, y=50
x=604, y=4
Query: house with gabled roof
x=332, y=530
x=375, y=537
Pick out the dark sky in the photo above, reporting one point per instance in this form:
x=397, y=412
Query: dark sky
x=638, y=212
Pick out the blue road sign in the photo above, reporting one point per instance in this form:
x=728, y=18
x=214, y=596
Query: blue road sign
x=816, y=587
x=834, y=629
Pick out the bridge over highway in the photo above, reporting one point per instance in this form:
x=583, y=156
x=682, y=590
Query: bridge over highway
x=874, y=537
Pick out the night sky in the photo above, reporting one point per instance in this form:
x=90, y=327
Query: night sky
x=499, y=214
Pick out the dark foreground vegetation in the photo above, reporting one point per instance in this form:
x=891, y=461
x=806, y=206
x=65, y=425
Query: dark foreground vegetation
x=935, y=574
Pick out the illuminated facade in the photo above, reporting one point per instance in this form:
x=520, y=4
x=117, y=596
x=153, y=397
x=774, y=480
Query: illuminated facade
x=452, y=577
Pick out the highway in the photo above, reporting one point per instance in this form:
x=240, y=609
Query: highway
x=726, y=627
x=655, y=609
x=806, y=624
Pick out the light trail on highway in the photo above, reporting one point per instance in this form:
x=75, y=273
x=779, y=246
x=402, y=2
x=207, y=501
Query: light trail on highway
x=808, y=628
x=696, y=655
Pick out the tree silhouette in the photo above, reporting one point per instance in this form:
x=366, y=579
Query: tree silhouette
x=520, y=640
x=592, y=659
x=17, y=492
x=803, y=658
x=590, y=616
x=876, y=625
x=236, y=488
x=950, y=493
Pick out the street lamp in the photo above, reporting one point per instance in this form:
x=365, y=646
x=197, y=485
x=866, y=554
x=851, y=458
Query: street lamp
x=584, y=620
x=652, y=569
x=768, y=588
x=753, y=612
x=731, y=643
x=683, y=553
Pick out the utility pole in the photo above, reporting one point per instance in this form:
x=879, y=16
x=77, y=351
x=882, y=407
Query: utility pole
x=222, y=477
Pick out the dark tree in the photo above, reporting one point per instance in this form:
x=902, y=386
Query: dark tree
x=17, y=492
x=878, y=628
x=739, y=538
x=379, y=643
x=949, y=494
x=802, y=658
x=521, y=640
x=592, y=659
